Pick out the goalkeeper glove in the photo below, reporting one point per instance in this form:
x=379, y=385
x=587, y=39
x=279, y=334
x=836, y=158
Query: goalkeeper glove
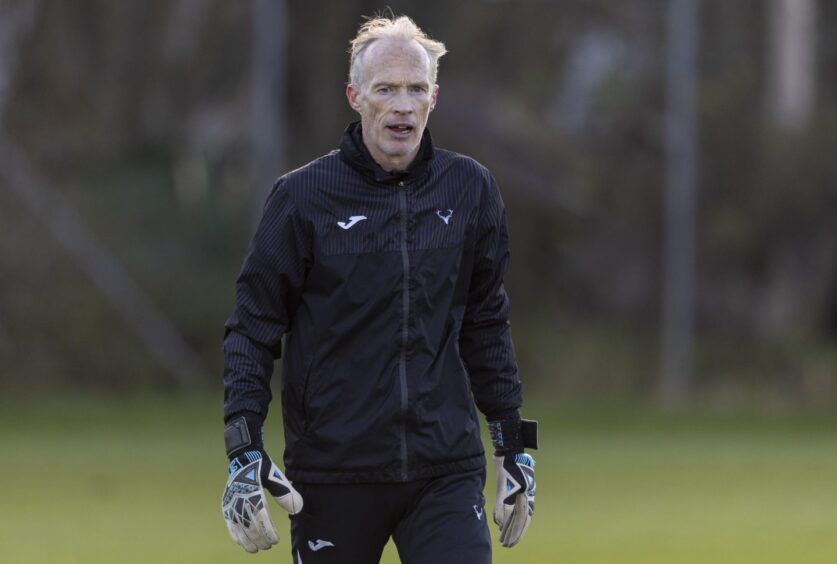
x=244, y=504
x=515, y=501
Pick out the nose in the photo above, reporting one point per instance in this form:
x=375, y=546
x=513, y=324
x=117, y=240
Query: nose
x=402, y=103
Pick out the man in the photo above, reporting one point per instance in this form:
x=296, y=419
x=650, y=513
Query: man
x=382, y=264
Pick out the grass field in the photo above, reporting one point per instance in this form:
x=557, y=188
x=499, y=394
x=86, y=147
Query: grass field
x=112, y=481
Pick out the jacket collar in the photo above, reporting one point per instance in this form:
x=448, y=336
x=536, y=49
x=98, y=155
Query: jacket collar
x=355, y=153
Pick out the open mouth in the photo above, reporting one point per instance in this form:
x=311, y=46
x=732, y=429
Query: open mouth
x=400, y=130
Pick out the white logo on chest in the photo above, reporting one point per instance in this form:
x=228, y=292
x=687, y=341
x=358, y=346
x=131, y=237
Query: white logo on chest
x=445, y=218
x=352, y=221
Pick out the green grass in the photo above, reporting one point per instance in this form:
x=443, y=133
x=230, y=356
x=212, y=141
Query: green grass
x=108, y=480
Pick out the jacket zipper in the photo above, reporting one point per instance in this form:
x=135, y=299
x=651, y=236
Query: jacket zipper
x=405, y=333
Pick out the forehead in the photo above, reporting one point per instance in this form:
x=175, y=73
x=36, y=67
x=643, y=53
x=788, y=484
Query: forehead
x=396, y=60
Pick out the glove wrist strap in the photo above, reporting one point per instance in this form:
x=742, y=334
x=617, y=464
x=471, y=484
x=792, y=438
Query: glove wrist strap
x=243, y=432
x=512, y=434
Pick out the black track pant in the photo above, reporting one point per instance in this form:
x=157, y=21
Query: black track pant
x=436, y=521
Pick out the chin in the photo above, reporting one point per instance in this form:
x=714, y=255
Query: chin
x=399, y=151
x=404, y=147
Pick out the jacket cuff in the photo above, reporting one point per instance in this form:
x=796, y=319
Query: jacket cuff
x=243, y=432
x=512, y=434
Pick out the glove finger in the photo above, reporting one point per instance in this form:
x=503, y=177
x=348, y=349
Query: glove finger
x=292, y=502
x=238, y=535
x=508, y=532
x=501, y=493
x=498, y=518
x=505, y=528
x=250, y=523
x=282, y=491
x=502, y=512
x=509, y=525
x=514, y=533
x=266, y=531
x=517, y=523
x=232, y=509
x=233, y=530
x=254, y=536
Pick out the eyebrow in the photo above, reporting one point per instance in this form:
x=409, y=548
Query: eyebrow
x=423, y=83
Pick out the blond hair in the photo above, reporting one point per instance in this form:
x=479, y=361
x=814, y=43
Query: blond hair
x=382, y=27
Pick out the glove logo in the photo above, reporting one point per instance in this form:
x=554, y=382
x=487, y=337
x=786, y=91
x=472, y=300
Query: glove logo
x=319, y=545
x=478, y=511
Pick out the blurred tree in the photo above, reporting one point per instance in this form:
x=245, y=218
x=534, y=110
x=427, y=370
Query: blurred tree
x=269, y=77
x=16, y=19
x=680, y=199
x=793, y=62
x=144, y=117
x=69, y=231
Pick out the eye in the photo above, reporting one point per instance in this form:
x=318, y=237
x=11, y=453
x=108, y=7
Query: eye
x=384, y=89
x=418, y=88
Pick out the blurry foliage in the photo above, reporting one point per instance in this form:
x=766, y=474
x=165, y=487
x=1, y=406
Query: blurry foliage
x=140, y=112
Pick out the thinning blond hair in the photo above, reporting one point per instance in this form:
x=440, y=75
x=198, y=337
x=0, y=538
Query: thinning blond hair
x=382, y=27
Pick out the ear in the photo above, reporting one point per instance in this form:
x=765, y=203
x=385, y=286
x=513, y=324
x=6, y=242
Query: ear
x=352, y=94
x=434, y=96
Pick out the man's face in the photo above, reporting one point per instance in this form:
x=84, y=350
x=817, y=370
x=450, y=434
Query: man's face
x=394, y=100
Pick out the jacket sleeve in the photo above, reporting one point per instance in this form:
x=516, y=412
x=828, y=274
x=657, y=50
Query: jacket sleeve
x=267, y=294
x=485, y=343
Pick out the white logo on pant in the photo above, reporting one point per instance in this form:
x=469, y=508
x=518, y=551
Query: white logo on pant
x=478, y=511
x=320, y=544
x=445, y=218
x=352, y=221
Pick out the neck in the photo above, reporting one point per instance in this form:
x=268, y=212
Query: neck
x=390, y=163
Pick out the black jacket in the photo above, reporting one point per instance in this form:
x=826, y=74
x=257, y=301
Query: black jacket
x=388, y=289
